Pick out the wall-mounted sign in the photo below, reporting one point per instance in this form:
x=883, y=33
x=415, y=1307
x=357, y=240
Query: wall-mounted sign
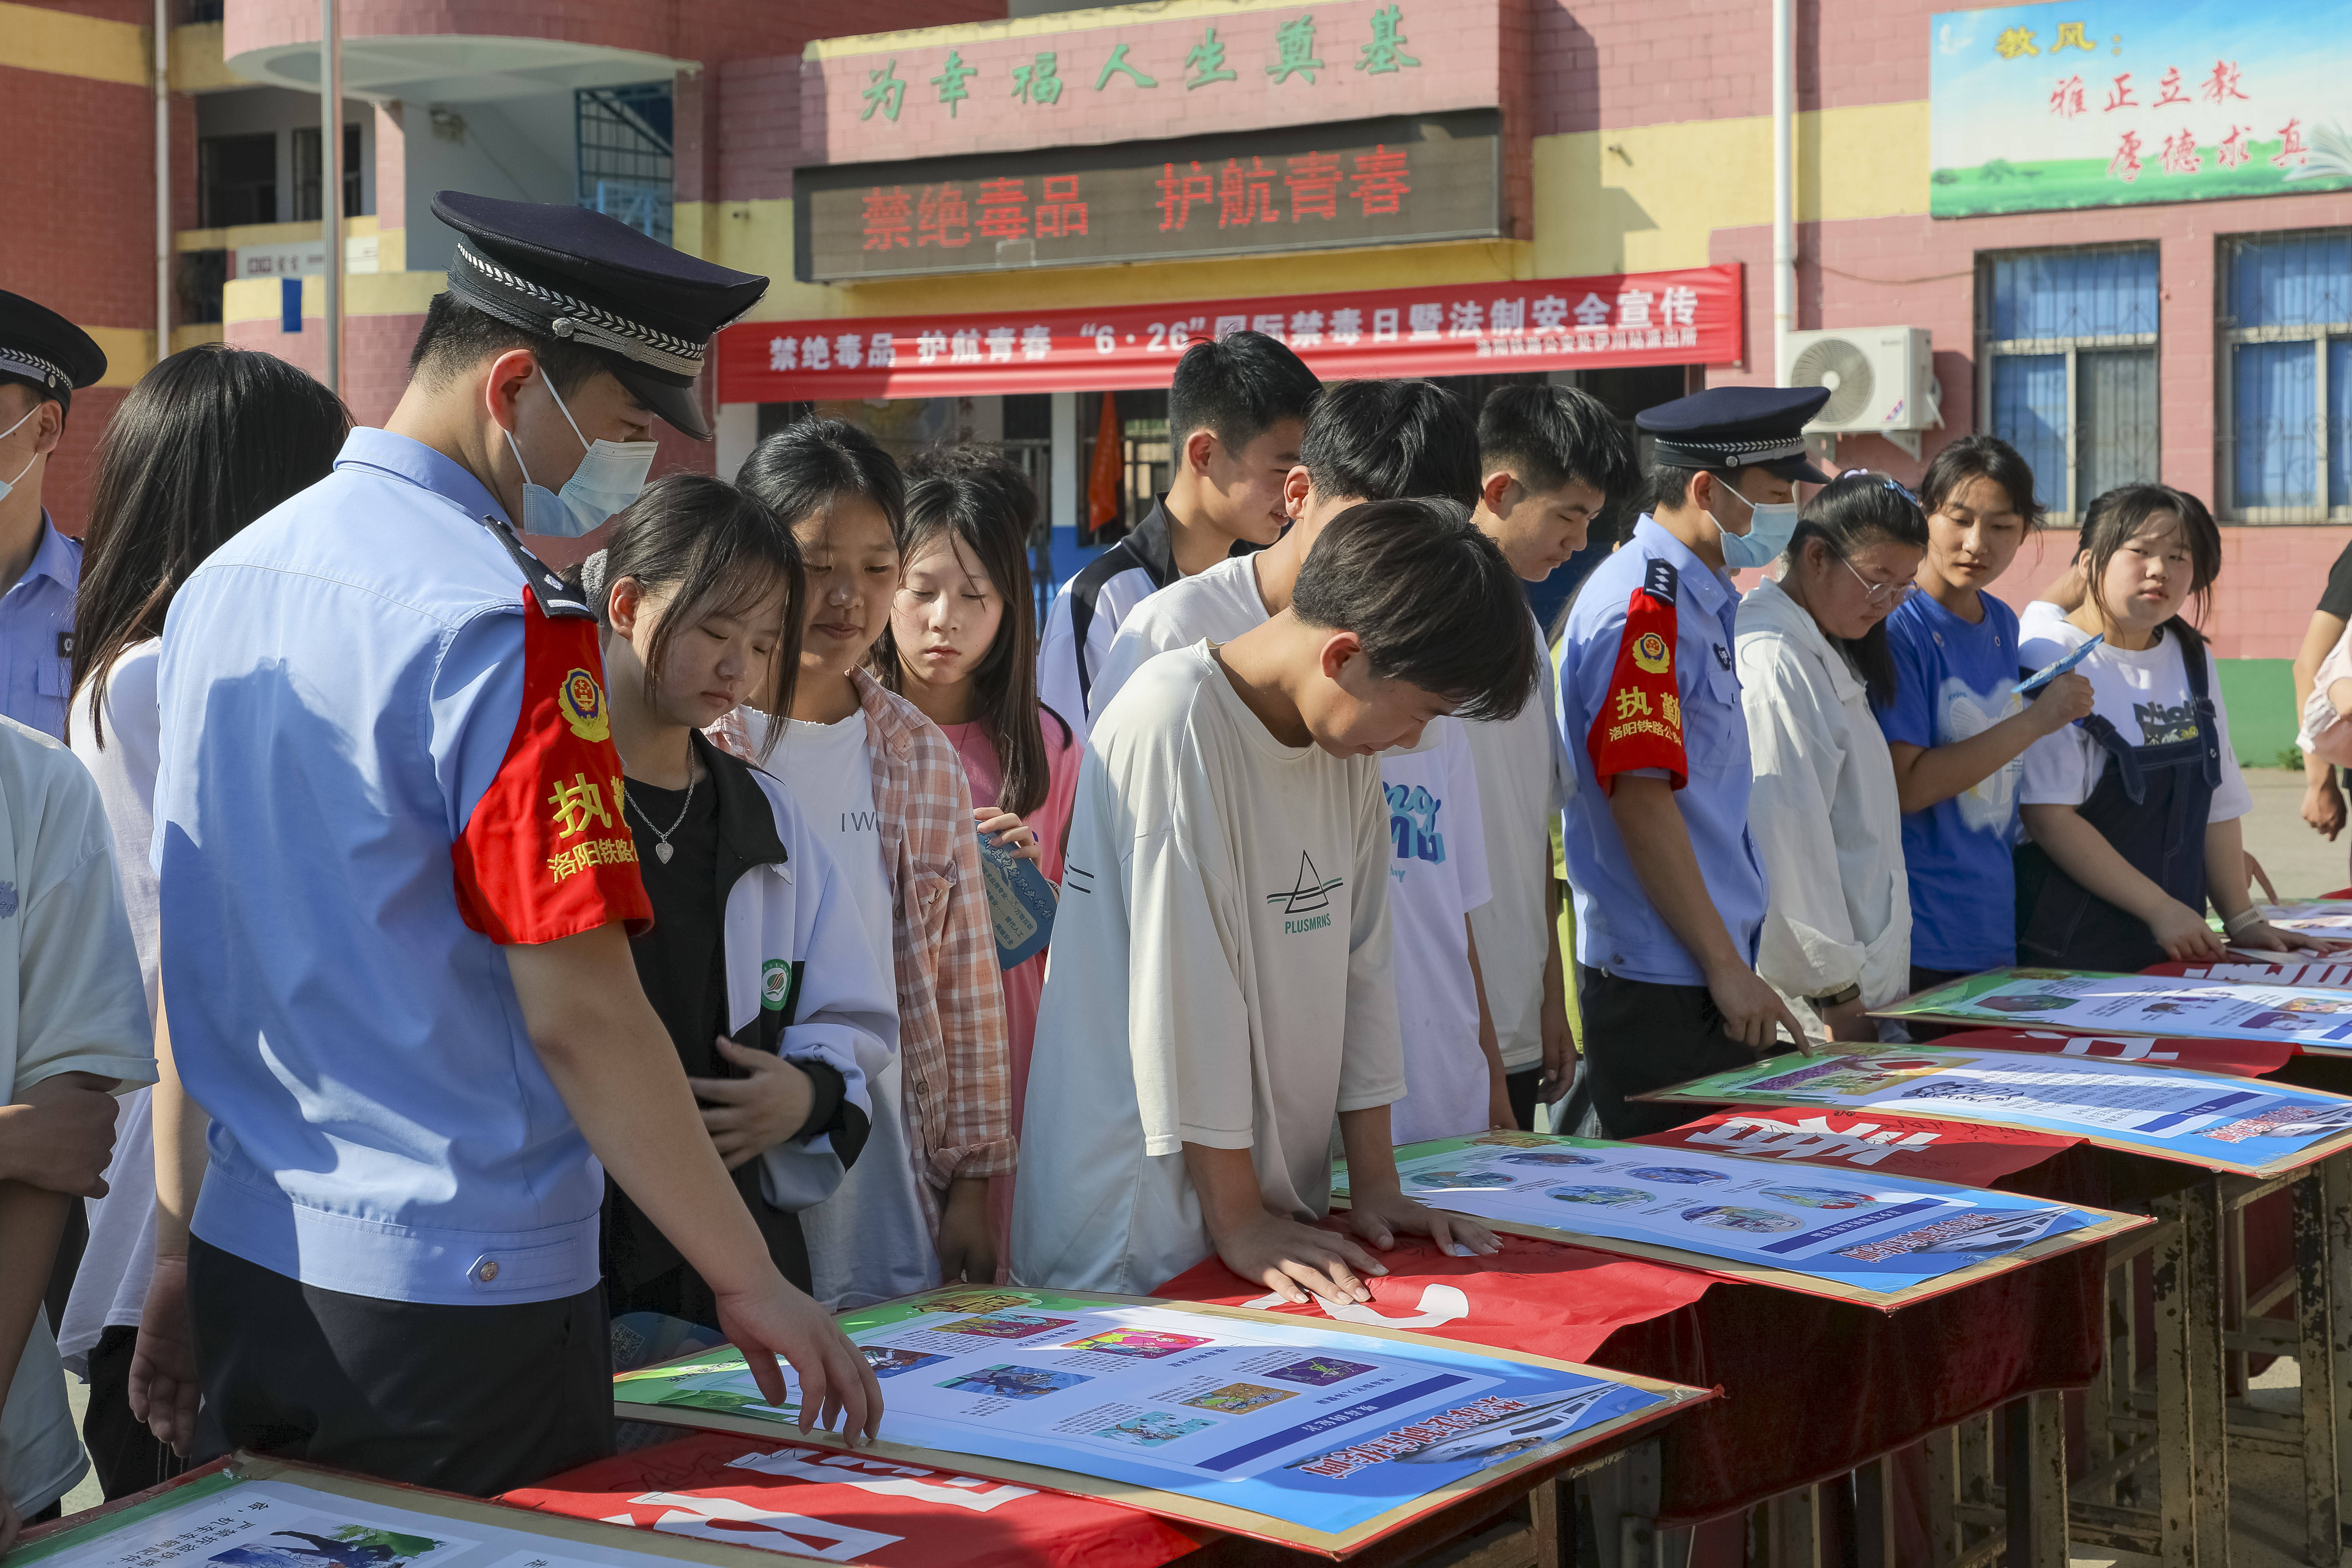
x=1376, y=182
x=2105, y=103
x=1690, y=317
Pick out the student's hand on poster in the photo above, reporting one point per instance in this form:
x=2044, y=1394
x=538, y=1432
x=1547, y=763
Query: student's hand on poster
x=1010, y=832
x=967, y=1239
x=1291, y=1259
x=2065, y=699
x=60, y=1135
x=2263, y=936
x=836, y=1385
x=748, y=1115
x=1753, y=1012
x=163, y=1386
x=2183, y=935
x=1382, y=1215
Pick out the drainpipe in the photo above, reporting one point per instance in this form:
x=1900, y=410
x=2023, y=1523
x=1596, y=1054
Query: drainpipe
x=1784, y=220
x=164, y=244
x=330, y=184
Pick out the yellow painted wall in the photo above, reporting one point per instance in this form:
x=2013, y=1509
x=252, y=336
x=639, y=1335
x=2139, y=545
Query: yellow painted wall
x=364, y=294
x=197, y=62
x=35, y=38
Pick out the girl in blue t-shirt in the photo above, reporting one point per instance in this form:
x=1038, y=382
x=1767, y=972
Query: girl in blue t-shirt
x=1956, y=729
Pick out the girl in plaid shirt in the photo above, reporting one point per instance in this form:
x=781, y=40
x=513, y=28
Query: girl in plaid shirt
x=885, y=787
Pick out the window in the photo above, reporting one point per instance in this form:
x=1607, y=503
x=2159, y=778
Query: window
x=624, y=142
x=2069, y=343
x=237, y=180
x=2286, y=376
x=306, y=173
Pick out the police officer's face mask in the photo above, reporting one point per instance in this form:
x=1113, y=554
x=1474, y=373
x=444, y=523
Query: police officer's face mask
x=1767, y=535
x=8, y=485
x=609, y=478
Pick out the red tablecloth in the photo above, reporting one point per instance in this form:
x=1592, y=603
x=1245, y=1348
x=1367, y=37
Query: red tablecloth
x=750, y=1492
x=2245, y=1058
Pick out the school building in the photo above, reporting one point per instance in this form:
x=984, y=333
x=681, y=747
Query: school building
x=2121, y=240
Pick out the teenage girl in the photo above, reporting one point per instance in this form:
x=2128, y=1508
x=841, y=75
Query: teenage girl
x=885, y=789
x=962, y=646
x=2134, y=813
x=779, y=1010
x=1954, y=724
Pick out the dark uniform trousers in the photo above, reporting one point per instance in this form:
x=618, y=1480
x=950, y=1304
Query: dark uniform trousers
x=1639, y=1035
x=478, y=1400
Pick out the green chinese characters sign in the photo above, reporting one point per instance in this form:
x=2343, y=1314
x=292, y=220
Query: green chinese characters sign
x=2040, y=108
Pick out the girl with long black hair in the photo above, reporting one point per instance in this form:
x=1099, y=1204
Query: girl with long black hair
x=205, y=444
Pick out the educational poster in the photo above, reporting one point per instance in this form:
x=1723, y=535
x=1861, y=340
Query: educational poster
x=2246, y=1125
x=1317, y=1435
x=1858, y=1235
x=2239, y=1058
x=2267, y=970
x=2329, y=918
x=2079, y=1001
x=261, y=1513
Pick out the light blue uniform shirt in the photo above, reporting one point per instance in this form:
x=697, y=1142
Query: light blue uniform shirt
x=340, y=683
x=37, y=617
x=1617, y=928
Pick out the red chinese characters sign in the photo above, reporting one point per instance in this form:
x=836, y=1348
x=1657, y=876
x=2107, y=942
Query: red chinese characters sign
x=1687, y=316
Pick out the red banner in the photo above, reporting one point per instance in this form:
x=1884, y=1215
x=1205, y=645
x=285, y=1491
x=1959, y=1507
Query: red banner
x=1901, y=1146
x=1685, y=317
x=2243, y=1057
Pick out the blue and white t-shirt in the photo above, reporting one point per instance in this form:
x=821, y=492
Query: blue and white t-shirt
x=1437, y=876
x=1954, y=680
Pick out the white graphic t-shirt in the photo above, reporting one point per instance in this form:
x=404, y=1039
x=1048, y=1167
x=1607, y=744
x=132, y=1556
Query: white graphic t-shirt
x=1437, y=876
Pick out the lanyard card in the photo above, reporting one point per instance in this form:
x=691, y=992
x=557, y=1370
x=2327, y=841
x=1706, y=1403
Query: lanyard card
x=2057, y=667
x=1020, y=904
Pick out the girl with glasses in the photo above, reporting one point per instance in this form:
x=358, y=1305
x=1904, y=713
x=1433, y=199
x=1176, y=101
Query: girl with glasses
x=1813, y=656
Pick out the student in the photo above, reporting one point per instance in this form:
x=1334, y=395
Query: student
x=1812, y=658
x=1235, y=412
x=2325, y=724
x=1219, y=988
x=397, y=892
x=1549, y=460
x=1669, y=887
x=886, y=793
x=781, y=1013
x=1954, y=724
x=2133, y=813
x=73, y=1030
x=2322, y=802
x=206, y=442
x=962, y=646
x=1378, y=440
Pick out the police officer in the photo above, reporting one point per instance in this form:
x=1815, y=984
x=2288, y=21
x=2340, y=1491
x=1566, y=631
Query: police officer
x=397, y=891
x=1669, y=889
x=43, y=358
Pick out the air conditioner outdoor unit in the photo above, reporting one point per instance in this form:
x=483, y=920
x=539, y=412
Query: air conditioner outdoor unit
x=1882, y=381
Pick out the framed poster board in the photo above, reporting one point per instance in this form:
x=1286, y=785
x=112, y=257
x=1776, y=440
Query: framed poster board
x=2315, y=1019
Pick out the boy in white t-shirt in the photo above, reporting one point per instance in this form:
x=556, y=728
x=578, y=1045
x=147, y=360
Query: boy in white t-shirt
x=1377, y=441
x=1225, y=917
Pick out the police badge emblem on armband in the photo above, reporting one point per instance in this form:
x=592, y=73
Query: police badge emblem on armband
x=583, y=702
x=1653, y=653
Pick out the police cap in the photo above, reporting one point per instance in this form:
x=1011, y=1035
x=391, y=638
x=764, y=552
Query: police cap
x=44, y=350
x=648, y=311
x=1737, y=427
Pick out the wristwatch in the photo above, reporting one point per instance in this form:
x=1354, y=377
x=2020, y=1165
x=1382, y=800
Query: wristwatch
x=1835, y=998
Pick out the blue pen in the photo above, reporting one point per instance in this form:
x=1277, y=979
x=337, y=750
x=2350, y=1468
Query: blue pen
x=2057, y=667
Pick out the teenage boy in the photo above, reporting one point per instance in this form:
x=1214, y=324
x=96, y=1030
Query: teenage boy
x=1669, y=890
x=1549, y=460
x=1235, y=412
x=1226, y=916
x=398, y=893
x=1378, y=440
x=73, y=1032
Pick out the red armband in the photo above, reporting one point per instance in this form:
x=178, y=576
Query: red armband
x=1640, y=724
x=546, y=853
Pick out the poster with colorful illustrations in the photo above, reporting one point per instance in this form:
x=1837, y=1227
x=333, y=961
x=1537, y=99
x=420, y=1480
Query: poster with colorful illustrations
x=1860, y=1235
x=2249, y=1126
x=2043, y=108
x=265, y=1513
x=1324, y=1436
x=2314, y=1019
x=2329, y=918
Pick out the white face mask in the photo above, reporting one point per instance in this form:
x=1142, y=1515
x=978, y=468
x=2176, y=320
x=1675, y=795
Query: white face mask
x=1767, y=535
x=609, y=478
x=8, y=485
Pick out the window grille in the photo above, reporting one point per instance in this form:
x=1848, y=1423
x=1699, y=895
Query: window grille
x=2068, y=341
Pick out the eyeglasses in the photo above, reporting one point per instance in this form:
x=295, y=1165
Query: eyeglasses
x=1887, y=593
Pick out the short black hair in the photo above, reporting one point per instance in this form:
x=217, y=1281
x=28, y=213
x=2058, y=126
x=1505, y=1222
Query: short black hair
x=1237, y=388
x=1551, y=436
x=1981, y=456
x=2114, y=517
x=1432, y=599
x=1667, y=487
x=804, y=467
x=456, y=337
x=1384, y=441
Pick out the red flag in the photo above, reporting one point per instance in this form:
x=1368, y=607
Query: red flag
x=1103, y=502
